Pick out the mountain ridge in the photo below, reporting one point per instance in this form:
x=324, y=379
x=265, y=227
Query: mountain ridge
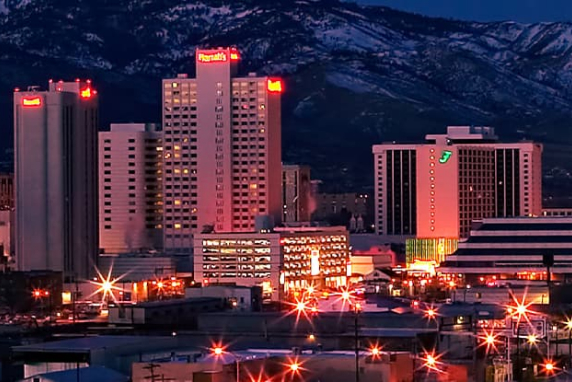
x=355, y=75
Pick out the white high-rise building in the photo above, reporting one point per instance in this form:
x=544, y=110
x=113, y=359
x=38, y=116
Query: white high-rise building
x=221, y=150
x=55, y=142
x=130, y=177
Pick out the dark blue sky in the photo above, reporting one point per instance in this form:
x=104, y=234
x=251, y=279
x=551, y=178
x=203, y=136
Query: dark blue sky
x=486, y=10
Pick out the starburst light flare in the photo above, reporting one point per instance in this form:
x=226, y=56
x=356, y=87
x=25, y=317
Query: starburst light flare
x=106, y=285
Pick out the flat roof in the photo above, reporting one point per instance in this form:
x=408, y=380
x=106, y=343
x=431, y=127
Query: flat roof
x=175, y=302
x=84, y=374
x=86, y=344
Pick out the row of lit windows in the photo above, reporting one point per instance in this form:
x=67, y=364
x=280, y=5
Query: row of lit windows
x=259, y=275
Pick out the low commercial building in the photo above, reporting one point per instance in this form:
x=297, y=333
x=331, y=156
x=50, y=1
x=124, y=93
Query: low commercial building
x=113, y=352
x=138, y=267
x=514, y=249
x=287, y=258
x=237, y=297
x=176, y=312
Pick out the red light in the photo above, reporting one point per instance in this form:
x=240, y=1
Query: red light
x=212, y=57
x=274, y=86
x=86, y=93
x=31, y=101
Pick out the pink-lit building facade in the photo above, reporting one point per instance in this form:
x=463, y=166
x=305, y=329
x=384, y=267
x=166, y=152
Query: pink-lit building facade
x=428, y=194
x=55, y=143
x=130, y=187
x=221, y=149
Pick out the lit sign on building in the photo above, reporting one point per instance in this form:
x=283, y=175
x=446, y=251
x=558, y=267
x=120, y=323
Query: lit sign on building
x=86, y=93
x=213, y=57
x=31, y=101
x=234, y=55
x=429, y=249
x=315, y=262
x=445, y=156
x=275, y=86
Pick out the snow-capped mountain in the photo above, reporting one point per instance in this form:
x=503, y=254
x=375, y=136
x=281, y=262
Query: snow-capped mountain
x=354, y=75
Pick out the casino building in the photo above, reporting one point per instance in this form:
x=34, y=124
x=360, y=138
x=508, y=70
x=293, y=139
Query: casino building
x=513, y=249
x=55, y=183
x=221, y=150
x=427, y=194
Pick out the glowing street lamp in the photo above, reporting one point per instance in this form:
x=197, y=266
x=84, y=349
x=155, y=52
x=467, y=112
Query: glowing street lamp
x=219, y=351
x=549, y=367
x=532, y=339
x=431, y=361
x=375, y=352
x=490, y=340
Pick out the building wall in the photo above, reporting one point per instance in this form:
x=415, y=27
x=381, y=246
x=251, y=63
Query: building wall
x=553, y=212
x=130, y=173
x=56, y=179
x=437, y=192
x=296, y=193
x=225, y=131
x=6, y=191
x=395, y=190
x=5, y=235
x=518, y=179
x=316, y=256
x=243, y=259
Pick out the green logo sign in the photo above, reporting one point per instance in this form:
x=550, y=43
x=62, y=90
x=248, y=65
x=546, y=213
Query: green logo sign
x=445, y=156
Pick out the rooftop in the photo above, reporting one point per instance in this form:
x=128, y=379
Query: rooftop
x=84, y=374
x=87, y=344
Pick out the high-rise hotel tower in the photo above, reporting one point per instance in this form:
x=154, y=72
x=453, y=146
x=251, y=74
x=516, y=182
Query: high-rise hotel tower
x=56, y=214
x=221, y=149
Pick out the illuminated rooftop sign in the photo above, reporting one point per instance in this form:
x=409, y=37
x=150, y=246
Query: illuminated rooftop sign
x=445, y=156
x=86, y=93
x=213, y=57
x=274, y=86
x=31, y=101
x=234, y=55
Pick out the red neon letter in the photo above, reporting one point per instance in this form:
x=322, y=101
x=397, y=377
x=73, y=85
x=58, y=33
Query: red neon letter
x=31, y=101
x=275, y=86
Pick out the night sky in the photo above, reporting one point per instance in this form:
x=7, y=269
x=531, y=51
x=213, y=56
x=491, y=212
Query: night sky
x=486, y=10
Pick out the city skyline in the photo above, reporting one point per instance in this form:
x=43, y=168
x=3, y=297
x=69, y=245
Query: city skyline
x=412, y=247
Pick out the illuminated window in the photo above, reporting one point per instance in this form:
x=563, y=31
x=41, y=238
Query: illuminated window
x=177, y=225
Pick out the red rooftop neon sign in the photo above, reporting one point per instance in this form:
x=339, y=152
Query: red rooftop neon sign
x=274, y=86
x=212, y=57
x=31, y=101
x=86, y=93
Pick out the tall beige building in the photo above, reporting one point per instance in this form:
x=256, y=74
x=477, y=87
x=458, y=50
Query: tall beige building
x=55, y=142
x=130, y=188
x=297, y=199
x=221, y=149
